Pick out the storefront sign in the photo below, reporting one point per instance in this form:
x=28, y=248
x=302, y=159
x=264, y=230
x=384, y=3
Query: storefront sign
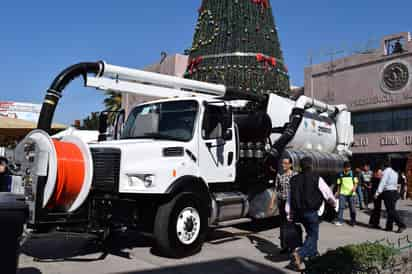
x=389, y=141
x=361, y=142
x=408, y=140
x=375, y=100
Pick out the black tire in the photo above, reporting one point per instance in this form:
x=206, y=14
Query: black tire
x=165, y=227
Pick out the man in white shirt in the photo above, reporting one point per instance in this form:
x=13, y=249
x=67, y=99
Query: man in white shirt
x=388, y=187
x=307, y=193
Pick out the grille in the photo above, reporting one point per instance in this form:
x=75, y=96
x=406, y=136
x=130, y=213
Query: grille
x=106, y=169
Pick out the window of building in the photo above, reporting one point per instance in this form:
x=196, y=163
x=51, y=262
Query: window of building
x=395, y=46
x=382, y=121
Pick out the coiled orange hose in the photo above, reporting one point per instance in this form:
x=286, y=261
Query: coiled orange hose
x=70, y=174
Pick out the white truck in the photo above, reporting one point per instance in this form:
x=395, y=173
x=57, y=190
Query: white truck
x=202, y=156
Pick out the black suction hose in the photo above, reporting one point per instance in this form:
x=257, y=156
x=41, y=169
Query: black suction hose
x=288, y=134
x=54, y=93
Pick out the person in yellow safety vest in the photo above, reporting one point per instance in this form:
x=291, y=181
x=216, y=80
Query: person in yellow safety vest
x=346, y=192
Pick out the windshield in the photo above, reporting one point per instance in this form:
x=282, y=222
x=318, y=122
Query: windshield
x=168, y=120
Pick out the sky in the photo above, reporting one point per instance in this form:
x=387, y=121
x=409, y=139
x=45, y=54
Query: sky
x=40, y=38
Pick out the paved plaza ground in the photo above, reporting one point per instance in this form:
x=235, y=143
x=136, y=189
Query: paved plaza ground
x=235, y=250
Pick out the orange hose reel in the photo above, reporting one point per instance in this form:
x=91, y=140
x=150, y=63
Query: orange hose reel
x=70, y=174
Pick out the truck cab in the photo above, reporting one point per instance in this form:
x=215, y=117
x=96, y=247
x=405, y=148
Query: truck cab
x=165, y=140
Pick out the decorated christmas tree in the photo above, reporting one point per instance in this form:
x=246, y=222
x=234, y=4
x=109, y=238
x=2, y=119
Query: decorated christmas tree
x=236, y=43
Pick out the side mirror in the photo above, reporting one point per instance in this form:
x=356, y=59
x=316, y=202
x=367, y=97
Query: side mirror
x=227, y=118
x=103, y=126
x=119, y=124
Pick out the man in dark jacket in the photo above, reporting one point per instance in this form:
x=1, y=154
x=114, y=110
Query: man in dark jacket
x=5, y=178
x=307, y=193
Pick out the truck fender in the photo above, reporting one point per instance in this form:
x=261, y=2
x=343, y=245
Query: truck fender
x=191, y=184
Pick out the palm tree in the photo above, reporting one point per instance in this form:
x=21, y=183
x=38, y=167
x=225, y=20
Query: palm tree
x=91, y=122
x=113, y=102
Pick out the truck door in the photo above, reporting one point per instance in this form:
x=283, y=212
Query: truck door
x=217, y=146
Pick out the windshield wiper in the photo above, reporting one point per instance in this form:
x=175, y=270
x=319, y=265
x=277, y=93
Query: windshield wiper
x=156, y=135
x=133, y=137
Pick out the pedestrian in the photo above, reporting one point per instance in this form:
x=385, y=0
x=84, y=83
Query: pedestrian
x=307, y=192
x=388, y=187
x=347, y=185
x=359, y=189
x=5, y=178
x=374, y=221
x=366, y=181
x=282, y=186
x=402, y=182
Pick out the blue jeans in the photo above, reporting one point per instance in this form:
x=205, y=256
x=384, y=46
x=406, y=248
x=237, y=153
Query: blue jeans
x=342, y=202
x=359, y=192
x=310, y=221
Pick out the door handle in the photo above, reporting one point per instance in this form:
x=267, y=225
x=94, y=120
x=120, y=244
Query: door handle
x=230, y=158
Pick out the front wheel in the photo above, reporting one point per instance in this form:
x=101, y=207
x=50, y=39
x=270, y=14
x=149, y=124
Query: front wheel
x=181, y=226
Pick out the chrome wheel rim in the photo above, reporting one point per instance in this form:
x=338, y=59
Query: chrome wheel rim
x=188, y=225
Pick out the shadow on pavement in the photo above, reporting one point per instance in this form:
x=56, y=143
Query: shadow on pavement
x=404, y=213
x=28, y=270
x=407, y=216
x=218, y=236
x=61, y=246
x=260, y=225
x=226, y=266
x=271, y=251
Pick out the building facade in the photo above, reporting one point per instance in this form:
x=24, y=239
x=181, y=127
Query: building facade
x=14, y=118
x=22, y=111
x=377, y=87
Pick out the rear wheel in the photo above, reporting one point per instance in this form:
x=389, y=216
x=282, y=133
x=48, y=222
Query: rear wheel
x=181, y=226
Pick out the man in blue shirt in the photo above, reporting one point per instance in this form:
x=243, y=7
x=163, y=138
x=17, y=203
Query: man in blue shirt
x=388, y=187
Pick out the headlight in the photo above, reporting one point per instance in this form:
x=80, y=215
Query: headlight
x=147, y=180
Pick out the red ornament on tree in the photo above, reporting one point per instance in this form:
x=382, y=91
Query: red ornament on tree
x=194, y=63
x=263, y=3
x=202, y=8
x=267, y=60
